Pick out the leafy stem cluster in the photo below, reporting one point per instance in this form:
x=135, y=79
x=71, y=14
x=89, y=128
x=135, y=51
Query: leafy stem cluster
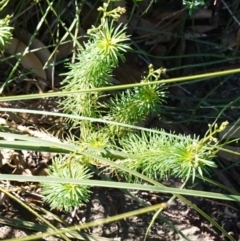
x=159, y=156
x=5, y=29
x=155, y=154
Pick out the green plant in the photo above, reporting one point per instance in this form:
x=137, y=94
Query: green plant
x=95, y=62
x=193, y=5
x=68, y=195
x=154, y=155
x=136, y=104
x=5, y=29
x=180, y=156
x=110, y=139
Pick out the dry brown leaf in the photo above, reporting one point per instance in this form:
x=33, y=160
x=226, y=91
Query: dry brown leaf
x=42, y=52
x=203, y=14
x=168, y=15
x=29, y=61
x=203, y=28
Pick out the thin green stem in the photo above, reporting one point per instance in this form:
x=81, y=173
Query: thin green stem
x=119, y=87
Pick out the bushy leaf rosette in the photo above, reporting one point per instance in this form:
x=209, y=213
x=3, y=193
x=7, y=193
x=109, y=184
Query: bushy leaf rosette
x=136, y=104
x=93, y=68
x=96, y=139
x=65, y=196
x=159, y=156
